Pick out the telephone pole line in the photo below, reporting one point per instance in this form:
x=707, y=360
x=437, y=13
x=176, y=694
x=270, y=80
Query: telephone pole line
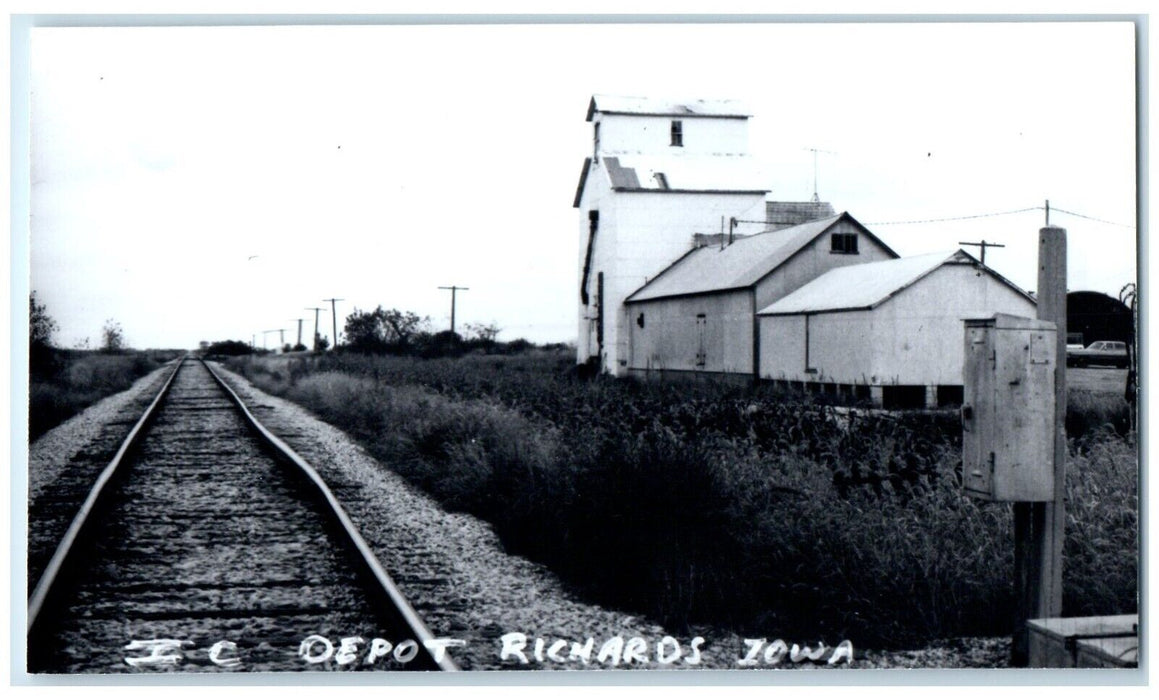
x=454, y=290
x=299, y=330
x=334, y=318
x=983, y=245
x=315, y=309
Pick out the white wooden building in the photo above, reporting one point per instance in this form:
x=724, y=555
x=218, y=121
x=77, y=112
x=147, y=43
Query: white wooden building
x=660, y=173
x=699, y=314
x=890, y=331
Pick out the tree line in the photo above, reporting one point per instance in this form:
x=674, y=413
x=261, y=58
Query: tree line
x=395, y=332
x=43, y=352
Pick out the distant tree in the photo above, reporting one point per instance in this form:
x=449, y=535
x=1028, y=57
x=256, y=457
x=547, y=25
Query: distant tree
x=43, y=361
x=364, y=330
x=286, y=347
x=112, y=336
x=299, y=347
x=383, y=329
x=484, y=333
x=520, y=345
x=229, y=348
x=41, y=326
x=402, y=326
x=442, y=344
x=323, y=343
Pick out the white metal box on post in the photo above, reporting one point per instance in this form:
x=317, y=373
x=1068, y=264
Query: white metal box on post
x=1008, y=409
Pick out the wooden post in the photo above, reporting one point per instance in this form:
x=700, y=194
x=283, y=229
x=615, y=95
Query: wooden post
x=1040, y=528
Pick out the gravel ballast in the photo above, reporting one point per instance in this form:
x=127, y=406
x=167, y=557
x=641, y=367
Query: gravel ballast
x=455, y=572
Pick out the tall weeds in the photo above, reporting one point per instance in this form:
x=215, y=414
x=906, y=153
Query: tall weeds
x=701, y=503
x=72, y=381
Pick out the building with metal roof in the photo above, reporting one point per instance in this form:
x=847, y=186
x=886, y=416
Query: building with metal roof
x=891, y=331
x=699, y=314
x=750, y=259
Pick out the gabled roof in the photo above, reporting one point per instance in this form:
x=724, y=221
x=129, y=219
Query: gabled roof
x=857, y=287
x=656, y=107
x=682, y=173
x=740, y=265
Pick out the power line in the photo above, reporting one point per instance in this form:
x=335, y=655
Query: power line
x=952, y=218
x=1084, y=216
x=998, y=213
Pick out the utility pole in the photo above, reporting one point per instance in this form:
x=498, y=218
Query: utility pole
x=299, y=330
x=454, y=289
x=315, y=309
x=271, y=330
x=334, y=315
x=983, y=245
x=1040, y=527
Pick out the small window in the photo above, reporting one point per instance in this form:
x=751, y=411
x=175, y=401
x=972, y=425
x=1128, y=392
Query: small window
x=677, y=132
x=844, y=243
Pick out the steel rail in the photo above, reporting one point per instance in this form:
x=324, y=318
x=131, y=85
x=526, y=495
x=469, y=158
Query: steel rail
x=80, y=520
x=369, y=559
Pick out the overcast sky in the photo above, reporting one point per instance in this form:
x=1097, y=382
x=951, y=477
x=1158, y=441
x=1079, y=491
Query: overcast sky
x=211, y=183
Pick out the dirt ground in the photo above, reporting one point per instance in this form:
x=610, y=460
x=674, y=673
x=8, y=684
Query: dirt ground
x=1100, y=379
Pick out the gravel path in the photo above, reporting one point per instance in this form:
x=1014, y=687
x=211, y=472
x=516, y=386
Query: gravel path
x=455, y=572
x=108, y=420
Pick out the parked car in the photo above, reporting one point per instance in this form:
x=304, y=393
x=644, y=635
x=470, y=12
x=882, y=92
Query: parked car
x=1100, y=352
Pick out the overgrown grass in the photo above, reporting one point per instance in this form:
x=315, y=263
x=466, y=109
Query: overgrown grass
x=64, y=383
x=704, y=503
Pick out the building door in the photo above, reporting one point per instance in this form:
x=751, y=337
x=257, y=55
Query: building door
x=701, y=355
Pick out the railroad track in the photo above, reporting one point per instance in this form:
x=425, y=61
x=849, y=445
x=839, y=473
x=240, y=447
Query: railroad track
x=208, y=544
